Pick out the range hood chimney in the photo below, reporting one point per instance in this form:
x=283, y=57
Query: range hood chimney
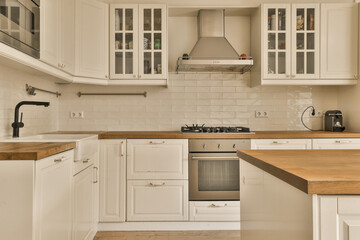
x=212, y=51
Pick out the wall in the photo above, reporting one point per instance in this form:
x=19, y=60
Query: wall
x=213, y=99
x=12, y=91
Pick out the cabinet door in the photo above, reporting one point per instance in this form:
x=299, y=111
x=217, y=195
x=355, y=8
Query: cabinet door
x=305, y=41
x=276, y=41
x=112, y=180
x=67, y=35
x=124, y=38
x=53, y=182
x=49, y=32
x=339, y=218
x=157, y=159
x=92, y=33
x=285, y=144
x=83, y=204
x=157, y=200
x=153, y=41
x=341, y=143
x=339, y=41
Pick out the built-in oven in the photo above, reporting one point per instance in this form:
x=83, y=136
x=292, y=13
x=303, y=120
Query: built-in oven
x=214, y=170
x=20, y=25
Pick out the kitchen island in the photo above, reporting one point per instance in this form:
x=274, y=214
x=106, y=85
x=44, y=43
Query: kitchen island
x=300, y=194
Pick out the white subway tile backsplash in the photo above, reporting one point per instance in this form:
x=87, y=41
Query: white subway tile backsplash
x=210, y=98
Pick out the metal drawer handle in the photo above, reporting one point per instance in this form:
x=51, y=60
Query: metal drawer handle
x=342, y=141
x=58, y=160
x=214, y=158
x=122, y=149
x=156, y=185
x=217, y=206
x=159, y=142
x=96, y=174
x=280, y=142
x=86, y=160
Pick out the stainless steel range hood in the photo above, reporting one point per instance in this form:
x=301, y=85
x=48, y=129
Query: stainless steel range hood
x=213, y=52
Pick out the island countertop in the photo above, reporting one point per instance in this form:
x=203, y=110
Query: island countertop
x=32, y=150
x=311, y=171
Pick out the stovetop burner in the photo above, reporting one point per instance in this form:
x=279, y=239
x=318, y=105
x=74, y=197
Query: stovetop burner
x=195, y=128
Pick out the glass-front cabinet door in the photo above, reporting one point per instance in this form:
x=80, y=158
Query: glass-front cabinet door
x=152, y=41
x=124, y=41
x=305, y=41
x=277, y=41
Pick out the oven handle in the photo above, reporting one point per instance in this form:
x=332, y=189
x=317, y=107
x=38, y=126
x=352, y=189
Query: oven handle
x=214, y=158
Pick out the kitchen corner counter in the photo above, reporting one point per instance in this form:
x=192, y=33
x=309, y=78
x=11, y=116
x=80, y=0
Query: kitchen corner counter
x=257, y=135
x=32, y=150
x=311, y=171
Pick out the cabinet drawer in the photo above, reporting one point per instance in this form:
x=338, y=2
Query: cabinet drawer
x=341, y=143
x=157, y=200
x=286, y=144
x=215, y=211
x=157, y=159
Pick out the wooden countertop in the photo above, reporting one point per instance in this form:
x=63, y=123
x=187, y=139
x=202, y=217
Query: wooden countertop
x=32, y=150
x=257, y=135
x=311, y=171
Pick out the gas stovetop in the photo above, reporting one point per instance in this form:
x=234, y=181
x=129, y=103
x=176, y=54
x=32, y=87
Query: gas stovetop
x=195, y=128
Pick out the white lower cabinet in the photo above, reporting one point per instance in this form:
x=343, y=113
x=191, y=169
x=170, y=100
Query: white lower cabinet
x=112, y=180
x=339, y=218
x=157, y=200
x=157, y=159
x=85, y=204
x=216, y=211
x=280, y=144
x=52, y=211
x=341, y=143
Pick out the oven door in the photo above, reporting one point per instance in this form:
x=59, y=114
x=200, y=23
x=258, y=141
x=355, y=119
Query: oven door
x=214, y=176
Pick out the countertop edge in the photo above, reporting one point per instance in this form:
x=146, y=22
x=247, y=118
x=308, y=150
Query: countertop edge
x=293, y=180
x=36, y=154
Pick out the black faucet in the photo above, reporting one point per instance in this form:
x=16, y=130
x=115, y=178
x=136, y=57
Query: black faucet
x=16, y=125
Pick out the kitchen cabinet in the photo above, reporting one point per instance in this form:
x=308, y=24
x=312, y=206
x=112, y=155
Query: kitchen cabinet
x=217, y=211
x=85, y=200
x=305, y=44
x=92, y=34
x=157, y=200
x=57, y=35
x=281, y=144
x=339, y=41
x=53, y=184
x=333, y=143
x=157, y=159
x=339, y=218
x=286, y=42
x=112, y=180
x=138, y=42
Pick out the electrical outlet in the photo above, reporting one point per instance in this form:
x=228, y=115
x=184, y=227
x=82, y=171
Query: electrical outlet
x=318, y=114
x=261, y=114
x=77, y=115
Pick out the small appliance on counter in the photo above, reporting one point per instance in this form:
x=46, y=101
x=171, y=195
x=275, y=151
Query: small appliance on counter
x=334, y=121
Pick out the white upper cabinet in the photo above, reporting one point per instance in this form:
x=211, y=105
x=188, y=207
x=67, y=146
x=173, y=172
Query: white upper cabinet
x=305, y=44
x=138, y=43
x=277, y=41
x=92, y=32
x=57, y=43
x=124, y=36
x=305, y=41
x=339, y=41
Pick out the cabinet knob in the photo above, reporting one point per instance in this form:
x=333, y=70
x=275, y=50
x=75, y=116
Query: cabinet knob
x=59, y=65
x=140, y=76
x=204, y=146
x=86, y=160
x=63, y=65
x=106, y=76
x=134, y=76
x=287, y=76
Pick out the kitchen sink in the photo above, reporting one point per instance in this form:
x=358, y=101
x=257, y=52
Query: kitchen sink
x=86, y=144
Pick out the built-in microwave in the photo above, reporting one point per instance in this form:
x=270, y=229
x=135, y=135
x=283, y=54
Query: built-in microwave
x=20, y=25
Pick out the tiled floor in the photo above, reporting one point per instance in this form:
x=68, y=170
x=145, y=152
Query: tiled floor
x=173, y=235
